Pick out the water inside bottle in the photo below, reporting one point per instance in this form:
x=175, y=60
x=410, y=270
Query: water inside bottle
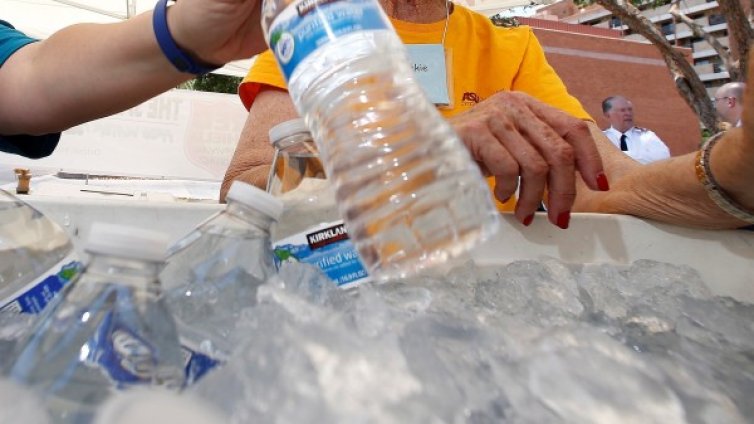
x=289, y=168
x=34, y=251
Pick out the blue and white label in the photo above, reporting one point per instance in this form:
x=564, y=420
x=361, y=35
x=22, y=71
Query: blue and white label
x=328, y=247
x=117, y=349
x=196, y=364
x=36, y=295
x=306, y=25
x=123, y=349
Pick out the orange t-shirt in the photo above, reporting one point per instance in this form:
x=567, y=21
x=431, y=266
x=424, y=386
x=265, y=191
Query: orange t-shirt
x=485, y=59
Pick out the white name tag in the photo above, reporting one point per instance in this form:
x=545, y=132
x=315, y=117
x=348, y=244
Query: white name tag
x=428, y=64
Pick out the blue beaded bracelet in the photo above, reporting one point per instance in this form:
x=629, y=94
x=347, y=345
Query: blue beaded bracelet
x=182, y=61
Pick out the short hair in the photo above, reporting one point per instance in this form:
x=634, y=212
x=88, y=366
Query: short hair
x=734, y=89
x=607, y=104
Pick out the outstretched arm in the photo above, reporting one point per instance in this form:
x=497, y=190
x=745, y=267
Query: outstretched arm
x=669, y=190
x=88, y=71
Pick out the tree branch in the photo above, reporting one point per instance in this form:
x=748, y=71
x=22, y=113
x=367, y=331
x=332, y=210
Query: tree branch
x=698, y=31
x=740, y=32
x=694, y=93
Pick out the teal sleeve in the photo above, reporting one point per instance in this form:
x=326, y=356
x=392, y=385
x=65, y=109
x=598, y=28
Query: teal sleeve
x=11, y=40
x=25, y=145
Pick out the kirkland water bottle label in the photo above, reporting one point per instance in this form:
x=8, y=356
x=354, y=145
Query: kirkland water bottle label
x=36, y=295
x=305, y=25
x=196, y=364
x=328, y=247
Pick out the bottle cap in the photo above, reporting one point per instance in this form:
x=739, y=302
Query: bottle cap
x=287, y=128
x=256, y=199
x=128, y=242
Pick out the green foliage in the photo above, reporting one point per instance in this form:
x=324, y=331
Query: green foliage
x=706, y=133
x=641, y=4
x=505, y=21
x=214, y=83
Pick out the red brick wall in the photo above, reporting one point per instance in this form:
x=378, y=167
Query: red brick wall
x=596, y=67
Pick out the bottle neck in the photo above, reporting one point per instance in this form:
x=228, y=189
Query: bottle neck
x=249, y=215
x=299, y=142
x=132, y=272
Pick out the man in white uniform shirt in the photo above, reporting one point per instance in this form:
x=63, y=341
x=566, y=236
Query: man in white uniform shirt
x=640, y=144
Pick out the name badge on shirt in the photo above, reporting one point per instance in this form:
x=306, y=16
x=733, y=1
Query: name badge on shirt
x=428, y=64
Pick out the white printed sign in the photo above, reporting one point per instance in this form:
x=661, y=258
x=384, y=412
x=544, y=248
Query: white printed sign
x=179, y=134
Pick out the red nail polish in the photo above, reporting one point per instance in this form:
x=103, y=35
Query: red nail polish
x=602, y=183
x=528, y=220
x=563, y=219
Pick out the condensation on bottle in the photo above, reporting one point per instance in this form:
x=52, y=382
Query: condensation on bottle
x=407, y=188
x=310, y=229
x=212, y=275
x=37, y=258
x=109, y=329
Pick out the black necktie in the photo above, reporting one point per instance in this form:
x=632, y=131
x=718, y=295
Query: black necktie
x=623, y=145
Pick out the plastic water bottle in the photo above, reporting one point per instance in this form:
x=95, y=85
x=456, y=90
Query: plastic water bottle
x=213, y=273
x=310, y=229
x=406, y=186
x=109, y=329
x=37, y=257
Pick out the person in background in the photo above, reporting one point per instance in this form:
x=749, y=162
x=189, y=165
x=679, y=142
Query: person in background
x=88, y=71
x=641, y=144
x=512, y=134
x=488, y=98
x=729, y=102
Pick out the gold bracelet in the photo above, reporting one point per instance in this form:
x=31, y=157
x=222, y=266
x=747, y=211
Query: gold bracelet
x=715, y=192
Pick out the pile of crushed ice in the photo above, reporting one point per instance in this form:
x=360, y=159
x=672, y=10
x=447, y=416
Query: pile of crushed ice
x=530, y=342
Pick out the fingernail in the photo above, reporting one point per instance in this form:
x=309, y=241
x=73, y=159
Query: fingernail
x=602, y=183
x=528, y=220
x=505, y=200
x=563, y=219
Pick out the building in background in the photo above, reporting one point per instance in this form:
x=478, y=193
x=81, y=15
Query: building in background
x=595, y=63
x=706, y=13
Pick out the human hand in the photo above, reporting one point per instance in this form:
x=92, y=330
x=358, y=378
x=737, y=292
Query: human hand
x=217, y=31
x=511, y=134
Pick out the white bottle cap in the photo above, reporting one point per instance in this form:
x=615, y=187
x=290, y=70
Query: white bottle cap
x=128, y=242
x=157, y=405
x=256, y=199
x=287, y=128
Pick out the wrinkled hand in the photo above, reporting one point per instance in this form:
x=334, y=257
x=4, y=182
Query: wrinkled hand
x=512, y=134
x=217, y=31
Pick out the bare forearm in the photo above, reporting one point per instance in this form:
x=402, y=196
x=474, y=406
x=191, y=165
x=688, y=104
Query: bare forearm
x=82, y=73
x=255, y=175
x=253, y=156
x=666, y=191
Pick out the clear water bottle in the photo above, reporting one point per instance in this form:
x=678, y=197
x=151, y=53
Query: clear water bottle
x=109, y=329
x=37, y=257
x=406, y=186
x=310, y=229
x=212, y=274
